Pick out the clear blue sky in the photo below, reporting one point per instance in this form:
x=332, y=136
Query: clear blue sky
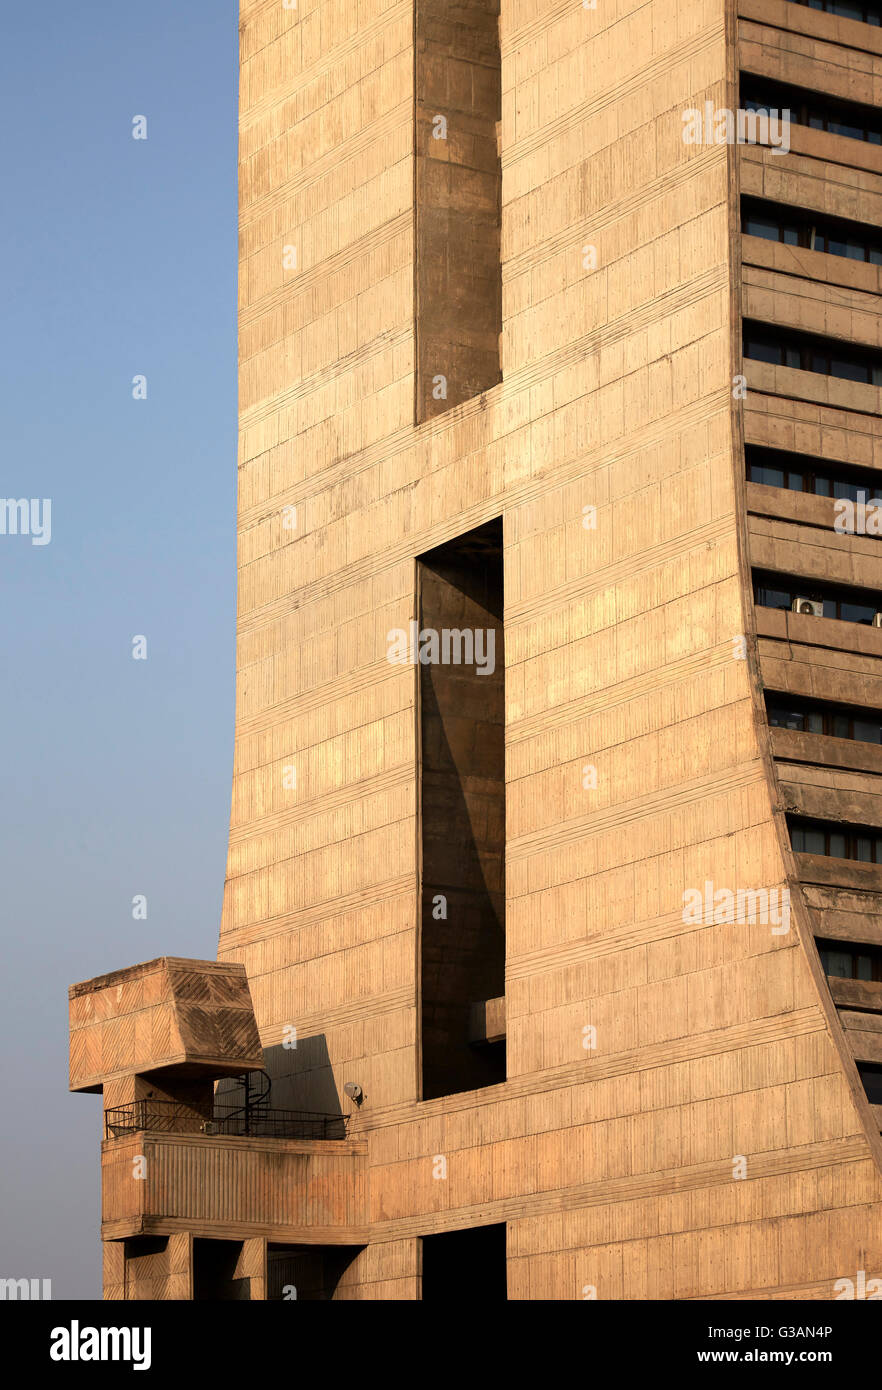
x=119, y=258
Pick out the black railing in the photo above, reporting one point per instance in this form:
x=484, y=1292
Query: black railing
x=170, y=1117
x=280, y=1124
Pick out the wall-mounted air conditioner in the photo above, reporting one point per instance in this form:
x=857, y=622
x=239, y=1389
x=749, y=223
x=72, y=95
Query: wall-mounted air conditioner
x=813, y=607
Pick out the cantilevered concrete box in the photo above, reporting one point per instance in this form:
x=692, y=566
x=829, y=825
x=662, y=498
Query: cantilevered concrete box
x=186, y=1018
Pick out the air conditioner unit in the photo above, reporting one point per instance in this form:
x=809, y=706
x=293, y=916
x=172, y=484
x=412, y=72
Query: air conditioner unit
x=877, y=620
x=209, y=1127
x=813, y=607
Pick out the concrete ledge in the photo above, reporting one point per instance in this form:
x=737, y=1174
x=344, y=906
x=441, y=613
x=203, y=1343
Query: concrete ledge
x=487, y=1021
x=799, y=19
x=818, y=632
x=856, y=994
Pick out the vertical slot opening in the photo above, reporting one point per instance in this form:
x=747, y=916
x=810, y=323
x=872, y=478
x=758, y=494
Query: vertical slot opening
x=458, y=188
x=461, y=658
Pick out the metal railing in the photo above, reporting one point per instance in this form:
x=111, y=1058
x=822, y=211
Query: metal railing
x=171, y=1117
x=270, y=1123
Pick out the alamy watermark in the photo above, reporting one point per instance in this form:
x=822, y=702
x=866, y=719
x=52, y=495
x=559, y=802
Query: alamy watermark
x=29, y=1289
x=27, y=516
x=719, y=126
x=859, y=1288
x=746, y=906
x=451, y=646
x=75, y=1343
x=863, y=517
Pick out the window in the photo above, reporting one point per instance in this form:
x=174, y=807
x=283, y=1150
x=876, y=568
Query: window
x=813, y=109
x=462, y=806
x=871, y=1076
x=771, y=226
x=864, y=13
x=791, y=226
x=846, y=960
x=834, y=721
x=846, y=605
x=837, y=841
x=787, y=347
x=802, y=473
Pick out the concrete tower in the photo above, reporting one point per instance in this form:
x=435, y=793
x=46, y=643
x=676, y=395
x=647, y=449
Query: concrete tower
x=556, y=838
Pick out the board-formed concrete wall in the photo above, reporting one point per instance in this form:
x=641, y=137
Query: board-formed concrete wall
x=681, y=1117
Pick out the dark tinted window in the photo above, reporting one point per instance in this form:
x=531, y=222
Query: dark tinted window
x=816, y=110
x=864, y=726
x=846, y=605
x=865, y=14
x=836, y=841
x=835, y=236
x=803, y=473
x=872, y=1078
x=785, y=347
x=847, y=960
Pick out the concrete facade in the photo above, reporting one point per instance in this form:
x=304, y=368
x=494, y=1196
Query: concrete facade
x=681, y=1115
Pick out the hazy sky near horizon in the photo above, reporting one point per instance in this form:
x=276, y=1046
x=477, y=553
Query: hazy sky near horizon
x=119, y=260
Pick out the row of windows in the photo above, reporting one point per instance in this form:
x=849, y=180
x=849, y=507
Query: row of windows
x=784, y=347
x=846, y=960
x=813, y=109
x=842, y=611
x=834, y=721
x=846, y=605
x=864, y=13
x=836, y=841
x=794, y=227
x=802, y=473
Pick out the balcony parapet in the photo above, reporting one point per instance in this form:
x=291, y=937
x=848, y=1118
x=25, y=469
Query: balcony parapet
x=234, y=1187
